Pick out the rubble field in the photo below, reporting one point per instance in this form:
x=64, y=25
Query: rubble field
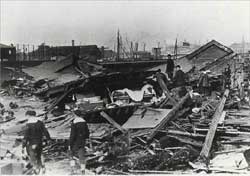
x=138, y=123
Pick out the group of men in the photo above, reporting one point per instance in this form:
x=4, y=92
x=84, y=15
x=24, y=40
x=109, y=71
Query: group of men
x=174, y=77
x=175, y=73
x=34, y=141
x=179, y=79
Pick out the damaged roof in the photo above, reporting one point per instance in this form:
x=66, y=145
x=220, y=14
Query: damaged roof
x=211, y=52
x=49, y=69
x=207, y=46
x=5, y=46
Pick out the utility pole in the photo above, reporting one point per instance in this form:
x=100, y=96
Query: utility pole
x=23, y=52
x=243, y=45
x=28, y=52
x=33, y=52
x=17, y=52
x=175, y=49
x=131, y=50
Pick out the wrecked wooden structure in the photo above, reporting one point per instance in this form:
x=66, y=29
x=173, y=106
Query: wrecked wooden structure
x=138, y=124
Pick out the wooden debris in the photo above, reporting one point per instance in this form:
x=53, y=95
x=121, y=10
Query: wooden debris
x=165, y=89
x=169, y=116
x=58, y=100
x=156, y=172
x=110, y=120
x=213, y=126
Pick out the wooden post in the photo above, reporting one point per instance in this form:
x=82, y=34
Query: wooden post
x=110, y=120
x=213, y=126
x=169, y=116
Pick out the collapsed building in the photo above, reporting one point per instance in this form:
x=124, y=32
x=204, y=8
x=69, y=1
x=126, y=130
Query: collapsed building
x=138, y=123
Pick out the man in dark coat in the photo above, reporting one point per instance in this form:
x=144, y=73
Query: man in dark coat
x=33, y=140
x=204, y=83
x=170, y=67
x=180, y=77
x=180, y=81
x=228, y=76
x=163, y=76
x=78, y=135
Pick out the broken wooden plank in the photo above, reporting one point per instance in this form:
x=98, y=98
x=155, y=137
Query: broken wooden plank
x=51, y=107
x=183, y=133
x=110, y=120
x=150, y=118
x=164, y=88
x=157, y=172
x=186, y=140
x=204, y=154
x=225, y=170
x=200, y=168
x=222, y=117
x=118, y=171
x=240, y=150
x=169, y=116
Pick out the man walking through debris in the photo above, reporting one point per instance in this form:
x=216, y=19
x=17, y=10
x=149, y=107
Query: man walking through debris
x=170, y=67
x=78, y=135
x=33, y=140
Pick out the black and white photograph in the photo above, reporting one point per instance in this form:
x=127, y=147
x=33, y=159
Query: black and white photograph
x=124, y=87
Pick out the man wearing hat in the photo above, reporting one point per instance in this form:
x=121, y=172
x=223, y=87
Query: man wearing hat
x=180, y=81
x=170, y=67
x=33, y=140
x=204, y=83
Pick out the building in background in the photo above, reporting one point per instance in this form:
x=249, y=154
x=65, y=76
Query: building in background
x=240, y=48
x=8, y=53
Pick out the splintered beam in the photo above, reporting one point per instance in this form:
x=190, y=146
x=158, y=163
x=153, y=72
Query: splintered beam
x=164, y=88
x=204, y=154
x=110, y=120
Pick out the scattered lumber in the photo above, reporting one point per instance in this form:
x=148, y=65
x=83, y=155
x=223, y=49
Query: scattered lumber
x=58, y=100
x=178, y=138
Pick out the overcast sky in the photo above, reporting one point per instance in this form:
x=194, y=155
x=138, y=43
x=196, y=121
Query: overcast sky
x=58, y=22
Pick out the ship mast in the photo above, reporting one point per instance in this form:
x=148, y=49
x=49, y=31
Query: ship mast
x=118, y=46
x=175, y=49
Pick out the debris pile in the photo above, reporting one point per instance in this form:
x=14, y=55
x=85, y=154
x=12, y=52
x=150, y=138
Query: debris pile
x=139, y=123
